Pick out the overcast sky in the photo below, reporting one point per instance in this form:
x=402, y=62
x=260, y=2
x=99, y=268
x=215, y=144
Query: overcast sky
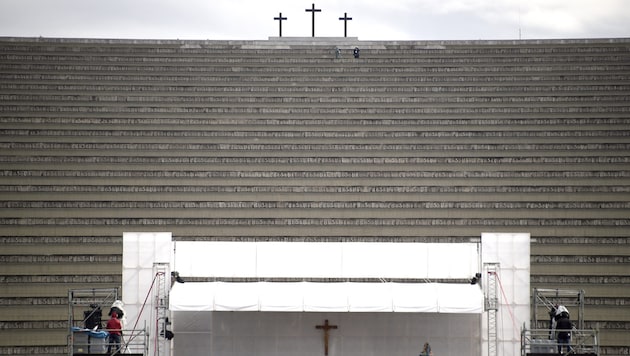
x=372, y=19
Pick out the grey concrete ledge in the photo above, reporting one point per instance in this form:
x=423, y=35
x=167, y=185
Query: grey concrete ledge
x=314, y=41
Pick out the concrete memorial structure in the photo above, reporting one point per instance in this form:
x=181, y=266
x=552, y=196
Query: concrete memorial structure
x=270, y=141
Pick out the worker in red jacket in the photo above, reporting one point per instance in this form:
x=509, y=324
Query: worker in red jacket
x=114, y=327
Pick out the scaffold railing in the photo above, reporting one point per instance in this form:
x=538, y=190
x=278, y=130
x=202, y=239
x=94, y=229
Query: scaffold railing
x=539, y=341
x=87, y=312
x=86, y=341
x=545, y=299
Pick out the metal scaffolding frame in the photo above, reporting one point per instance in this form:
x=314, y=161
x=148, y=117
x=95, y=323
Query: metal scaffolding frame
x=544, y=299
x=160, y=314
x=492, y=306
x=541, y=340
x=537, y=341
x=86, y=303
x=83, y=305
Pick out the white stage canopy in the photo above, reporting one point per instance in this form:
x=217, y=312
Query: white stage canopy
x=382, y=295
x=327, y=260
x=327, y=297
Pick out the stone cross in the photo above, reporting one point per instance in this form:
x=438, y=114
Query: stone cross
x=326, y=327
x=313, y=10
x=345, y=19
x=280, y=19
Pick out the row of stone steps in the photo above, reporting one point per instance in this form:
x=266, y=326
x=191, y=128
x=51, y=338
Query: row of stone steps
x=130, y=91
x=490, y=81
x=341, y=103
x=369, y=123
x=339, y=69
x=182, y=51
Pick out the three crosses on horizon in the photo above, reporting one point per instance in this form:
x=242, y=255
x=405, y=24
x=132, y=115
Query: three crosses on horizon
x=313, y=10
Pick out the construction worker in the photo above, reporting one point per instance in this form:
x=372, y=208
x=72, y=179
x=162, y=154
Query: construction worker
x=114, y=327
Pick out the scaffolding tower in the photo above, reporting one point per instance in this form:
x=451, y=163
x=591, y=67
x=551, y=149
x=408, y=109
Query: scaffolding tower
x=88, y=311
x=161, y=320
x=85, y=313
x=492, y=306
x=541, y=339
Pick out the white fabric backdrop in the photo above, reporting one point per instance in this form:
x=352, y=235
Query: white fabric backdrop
x=326, y=259
x=327, y=297
x=140, y=251
x=512, y=252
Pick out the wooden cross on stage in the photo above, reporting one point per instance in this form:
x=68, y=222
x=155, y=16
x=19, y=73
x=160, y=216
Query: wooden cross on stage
x=326, y=327
x=313, y=10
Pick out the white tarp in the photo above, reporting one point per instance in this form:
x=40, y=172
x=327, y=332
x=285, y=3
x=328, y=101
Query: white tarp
x=327, y=297
x=141, y=251
x=264, y=259
x=512, y=253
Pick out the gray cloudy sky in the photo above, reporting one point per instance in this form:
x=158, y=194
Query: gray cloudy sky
x=372, y=19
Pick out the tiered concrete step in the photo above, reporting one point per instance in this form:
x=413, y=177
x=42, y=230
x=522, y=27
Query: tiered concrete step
x=216, y=140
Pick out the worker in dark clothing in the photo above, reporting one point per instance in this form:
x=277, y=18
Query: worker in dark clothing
x=563, y=327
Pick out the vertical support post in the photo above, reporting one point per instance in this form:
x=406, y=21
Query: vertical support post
x=581, y=309
x=70, y=323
